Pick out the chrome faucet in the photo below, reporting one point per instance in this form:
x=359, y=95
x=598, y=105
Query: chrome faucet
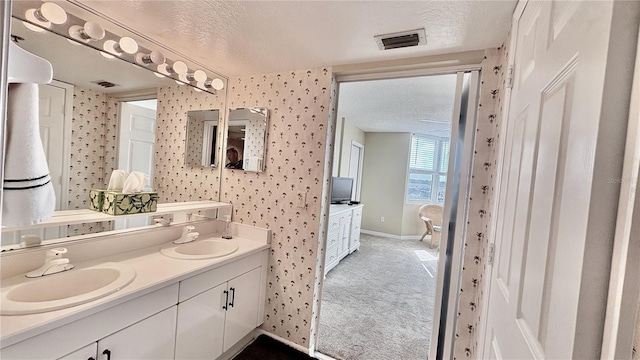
x=188, y=235
x=53, y=263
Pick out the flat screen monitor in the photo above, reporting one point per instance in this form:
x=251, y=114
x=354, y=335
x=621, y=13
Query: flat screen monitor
x=341, y=188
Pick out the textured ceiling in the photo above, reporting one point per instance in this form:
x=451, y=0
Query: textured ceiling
x=396, y=105
x=252, y=37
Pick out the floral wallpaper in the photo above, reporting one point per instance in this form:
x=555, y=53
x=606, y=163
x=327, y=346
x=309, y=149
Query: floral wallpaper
x=481, y=201
x=296, y=162
x=173, y=180
x=253, y=143
x=93, y=151
x=196, y=136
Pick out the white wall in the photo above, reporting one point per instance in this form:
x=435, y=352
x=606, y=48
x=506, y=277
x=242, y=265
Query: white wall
x=386, y=160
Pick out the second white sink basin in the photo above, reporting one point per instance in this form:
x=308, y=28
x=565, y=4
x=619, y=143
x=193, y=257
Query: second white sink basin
x=200, y=249
x=64, y=289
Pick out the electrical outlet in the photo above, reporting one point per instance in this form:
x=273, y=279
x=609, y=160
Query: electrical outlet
x=381, y=218
x=302, y=199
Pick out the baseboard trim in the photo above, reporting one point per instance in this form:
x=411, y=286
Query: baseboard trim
x=320, y=356
x=392, y=236
x=284, y=341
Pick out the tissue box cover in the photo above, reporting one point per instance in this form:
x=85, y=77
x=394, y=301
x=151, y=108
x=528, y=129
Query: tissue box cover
x=96, y=199
x=117, y=203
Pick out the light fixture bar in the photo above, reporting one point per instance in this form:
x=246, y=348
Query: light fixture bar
x=39, y=16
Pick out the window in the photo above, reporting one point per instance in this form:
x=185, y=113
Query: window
x=428, y=164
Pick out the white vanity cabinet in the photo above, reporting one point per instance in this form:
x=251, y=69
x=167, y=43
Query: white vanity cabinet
x=152, y=338
x=139, y=328
x=200, y=317
x=86, y=353
x=343, y=235
x=227, y=306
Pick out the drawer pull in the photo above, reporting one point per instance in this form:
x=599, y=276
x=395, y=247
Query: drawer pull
x=233, y=296
x=107, y=352
x=226, y=300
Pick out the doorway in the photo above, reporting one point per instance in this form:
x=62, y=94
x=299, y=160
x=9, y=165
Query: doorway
x=136, y=146
x=391, y=193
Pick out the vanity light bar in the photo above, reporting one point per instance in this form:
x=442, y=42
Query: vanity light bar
x=38, y=16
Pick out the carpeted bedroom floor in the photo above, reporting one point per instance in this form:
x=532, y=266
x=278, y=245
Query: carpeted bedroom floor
x=377, y=304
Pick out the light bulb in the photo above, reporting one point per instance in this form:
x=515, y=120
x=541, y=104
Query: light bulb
x=178, y=68
x=217, y=84
x=32, y=27
x=90, y=31
x=45, y=15
x=198, y=76
x=107, y=55
x=155, y=57
x=124, y=45
x=159, y=75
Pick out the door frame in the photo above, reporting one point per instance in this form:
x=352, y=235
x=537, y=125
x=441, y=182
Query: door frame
x=378, y=74
x=624, y=288
x=66, y=147
x=354, y=143
x=498, y=181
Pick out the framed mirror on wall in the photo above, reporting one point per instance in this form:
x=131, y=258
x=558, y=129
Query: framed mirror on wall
x=202, y=138
x=246, y=139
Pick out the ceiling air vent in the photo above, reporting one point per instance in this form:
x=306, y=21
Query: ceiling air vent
x=401, y=39
x=104, y=83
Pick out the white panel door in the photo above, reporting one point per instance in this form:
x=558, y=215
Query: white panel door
x=52, y=112
x=137, y=138
x=242, y=312
x=201, y=325
x=542, y=253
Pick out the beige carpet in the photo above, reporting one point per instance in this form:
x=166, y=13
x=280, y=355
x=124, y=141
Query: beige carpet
x=377, y=304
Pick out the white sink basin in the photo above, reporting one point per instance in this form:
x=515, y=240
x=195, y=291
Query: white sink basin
x=64, y=289
x=200, y=249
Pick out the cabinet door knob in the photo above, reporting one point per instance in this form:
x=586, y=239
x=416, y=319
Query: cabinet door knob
x=107, y=352
x=91, y=358
x=226, y=300
x=233, y=296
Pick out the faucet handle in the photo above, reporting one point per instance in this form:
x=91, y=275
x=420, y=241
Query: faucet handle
x=56, y=253
x=189, y=228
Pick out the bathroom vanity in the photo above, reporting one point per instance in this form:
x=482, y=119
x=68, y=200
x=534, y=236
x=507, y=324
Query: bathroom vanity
x=173, y=308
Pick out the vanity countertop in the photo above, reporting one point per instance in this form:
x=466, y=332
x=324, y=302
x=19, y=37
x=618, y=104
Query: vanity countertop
x=153, y=272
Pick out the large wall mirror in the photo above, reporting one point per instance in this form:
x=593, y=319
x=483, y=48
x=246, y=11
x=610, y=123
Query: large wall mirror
x=246, y=139
x=82, y=114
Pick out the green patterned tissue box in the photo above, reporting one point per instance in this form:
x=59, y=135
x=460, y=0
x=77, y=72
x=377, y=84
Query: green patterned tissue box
x=96, y=199
x=117, y=203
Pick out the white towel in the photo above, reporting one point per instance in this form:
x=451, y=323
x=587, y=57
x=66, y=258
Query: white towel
x=28, y=195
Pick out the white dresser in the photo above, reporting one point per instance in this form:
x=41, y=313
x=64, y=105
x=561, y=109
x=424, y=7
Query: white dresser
x=343, y=235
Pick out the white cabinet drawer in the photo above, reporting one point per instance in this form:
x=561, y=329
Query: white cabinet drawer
x=200, y=283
